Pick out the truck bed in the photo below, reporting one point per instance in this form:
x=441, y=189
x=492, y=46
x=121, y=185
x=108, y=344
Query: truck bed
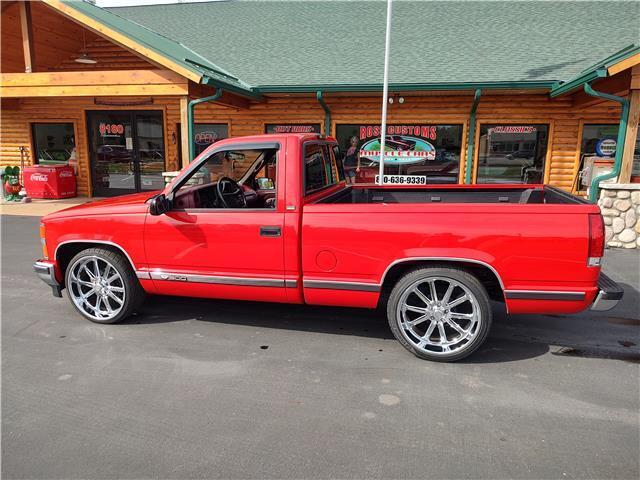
x=525, y=194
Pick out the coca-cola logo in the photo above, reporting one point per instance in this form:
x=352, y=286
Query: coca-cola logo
x=39, y=177
x=66, y=174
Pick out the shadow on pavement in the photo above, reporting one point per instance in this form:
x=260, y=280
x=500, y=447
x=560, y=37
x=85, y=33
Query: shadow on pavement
x=512, y=338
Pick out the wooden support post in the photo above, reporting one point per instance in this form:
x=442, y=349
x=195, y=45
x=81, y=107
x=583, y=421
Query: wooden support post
x=27, y=36
x=184, y=132
x=630, y=137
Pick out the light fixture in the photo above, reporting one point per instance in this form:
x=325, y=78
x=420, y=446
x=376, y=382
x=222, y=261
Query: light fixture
x=84, y=56
x=396, y=98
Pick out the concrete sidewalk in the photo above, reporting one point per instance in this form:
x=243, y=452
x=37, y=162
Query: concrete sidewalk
x=41, y=207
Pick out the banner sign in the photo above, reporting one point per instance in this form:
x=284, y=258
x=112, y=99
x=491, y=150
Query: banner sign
x=512, y=129
x=297, y=128
x=404, y=144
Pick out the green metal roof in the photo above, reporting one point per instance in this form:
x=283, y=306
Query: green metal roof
x=209, y=72
x=598, y=70
x=306, y=45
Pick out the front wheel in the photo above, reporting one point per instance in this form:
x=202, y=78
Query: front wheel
x=102, y=286
x=441, y=314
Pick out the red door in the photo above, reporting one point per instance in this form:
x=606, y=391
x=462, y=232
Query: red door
x=210, y=249
x=235, y=254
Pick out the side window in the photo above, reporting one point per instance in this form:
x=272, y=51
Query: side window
x=314, y=168
x=321, y=167
x=248, y=172
x=337, y=159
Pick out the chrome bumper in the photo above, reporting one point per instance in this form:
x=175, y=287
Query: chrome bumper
x=46, y=273
x=609, y=294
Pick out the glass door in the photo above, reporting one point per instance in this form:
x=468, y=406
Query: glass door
x=150, y=149
x=126, y=150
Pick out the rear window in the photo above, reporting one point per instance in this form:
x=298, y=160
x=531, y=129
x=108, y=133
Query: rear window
x=320, y=169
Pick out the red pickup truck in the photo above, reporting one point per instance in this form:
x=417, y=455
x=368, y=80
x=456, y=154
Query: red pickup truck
x=270, y=218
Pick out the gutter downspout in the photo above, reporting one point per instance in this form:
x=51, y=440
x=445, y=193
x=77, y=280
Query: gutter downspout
x=327, y=117
x=190, y=107
x=622, y=132
x=472, y=137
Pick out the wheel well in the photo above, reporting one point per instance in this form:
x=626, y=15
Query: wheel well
x=67, y=251
x=483, y=273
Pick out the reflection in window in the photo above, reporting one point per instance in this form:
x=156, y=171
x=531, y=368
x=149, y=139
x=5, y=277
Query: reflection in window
x=512, y=153
x=53, y=143
x=204, y=134
x=233, y=164
x=430, y=150
x=314, y=168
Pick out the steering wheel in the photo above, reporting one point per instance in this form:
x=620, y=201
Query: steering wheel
x=230, y=193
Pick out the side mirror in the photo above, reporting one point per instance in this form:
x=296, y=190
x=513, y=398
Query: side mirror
x=159, y=205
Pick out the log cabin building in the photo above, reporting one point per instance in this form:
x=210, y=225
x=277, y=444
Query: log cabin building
x=486, y=92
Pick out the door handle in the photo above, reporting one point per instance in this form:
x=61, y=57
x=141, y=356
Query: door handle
x=268, y=231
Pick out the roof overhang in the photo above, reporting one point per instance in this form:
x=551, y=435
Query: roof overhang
x=157, y=48
x=545, y=86
x=626, y=58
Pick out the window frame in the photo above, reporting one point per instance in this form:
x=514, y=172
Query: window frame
x=195, y=166
x=463, y=124
x=33, y=145
x=321, y=143
x=549, y=123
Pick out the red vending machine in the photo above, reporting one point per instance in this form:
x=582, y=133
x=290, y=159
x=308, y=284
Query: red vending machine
x=50, y=181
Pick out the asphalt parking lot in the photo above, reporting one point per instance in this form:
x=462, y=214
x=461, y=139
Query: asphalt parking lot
x=217, y=389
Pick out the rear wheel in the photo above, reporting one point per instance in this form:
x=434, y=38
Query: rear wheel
x=440, y=314
x=102, y=286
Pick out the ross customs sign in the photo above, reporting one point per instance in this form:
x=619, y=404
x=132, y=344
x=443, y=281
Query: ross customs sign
x=404, y=144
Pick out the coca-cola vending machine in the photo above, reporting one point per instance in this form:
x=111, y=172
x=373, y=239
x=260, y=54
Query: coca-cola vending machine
x=50, y=181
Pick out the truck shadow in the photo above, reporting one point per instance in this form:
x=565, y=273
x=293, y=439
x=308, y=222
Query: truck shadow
x=512, y=338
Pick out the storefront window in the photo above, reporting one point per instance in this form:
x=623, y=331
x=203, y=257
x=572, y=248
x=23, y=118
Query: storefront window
x=429, y=150
x=599, y=140
x=292, y=128
x=512, y=153
x=597, y=151
x=204, y=134
x=53, y=143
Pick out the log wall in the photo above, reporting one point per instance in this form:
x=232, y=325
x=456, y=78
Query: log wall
x=565, y=121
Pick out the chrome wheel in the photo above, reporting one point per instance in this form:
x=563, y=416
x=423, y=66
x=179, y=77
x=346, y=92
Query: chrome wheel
x=438, y=315
x=96, y=288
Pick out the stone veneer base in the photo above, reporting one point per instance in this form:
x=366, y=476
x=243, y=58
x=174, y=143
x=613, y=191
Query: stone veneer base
x=620, y=206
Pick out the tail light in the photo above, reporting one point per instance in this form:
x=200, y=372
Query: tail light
x=45, y=253
x=596, y=240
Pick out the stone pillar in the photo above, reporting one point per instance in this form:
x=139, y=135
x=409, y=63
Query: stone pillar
x=620, y=206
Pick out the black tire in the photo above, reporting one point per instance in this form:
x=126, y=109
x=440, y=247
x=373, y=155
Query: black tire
x=133, y=293
x=463, y=282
